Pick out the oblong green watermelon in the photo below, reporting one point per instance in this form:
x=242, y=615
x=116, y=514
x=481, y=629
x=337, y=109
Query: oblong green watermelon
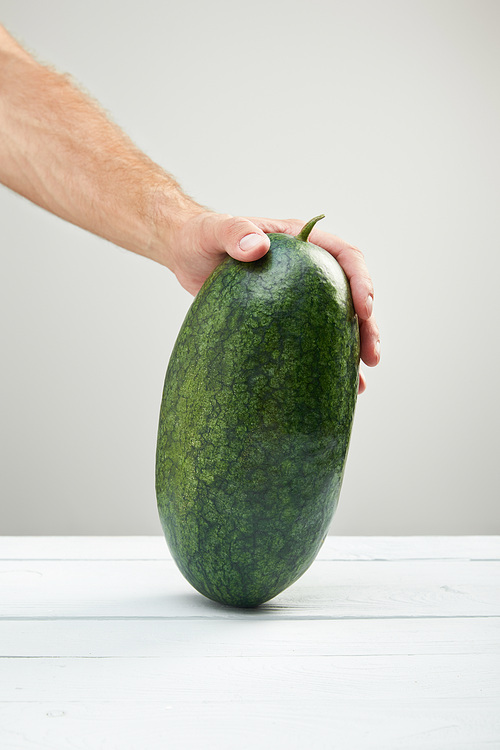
x=255, y=421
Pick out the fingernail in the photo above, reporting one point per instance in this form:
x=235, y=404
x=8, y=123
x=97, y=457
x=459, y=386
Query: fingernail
x=377, y=349
x=250, y=241
x=369, y=304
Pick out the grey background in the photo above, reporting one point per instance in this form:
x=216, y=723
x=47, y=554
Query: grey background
x=384, y=116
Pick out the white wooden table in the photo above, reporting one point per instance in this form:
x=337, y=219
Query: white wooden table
x=384, y=643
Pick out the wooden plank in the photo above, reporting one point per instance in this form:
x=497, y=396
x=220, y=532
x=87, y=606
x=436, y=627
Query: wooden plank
x=379, y=645
x=84, y=548
x=350, y=724
x=334, y=548
x=231, y=679
x=257, y=638
x=412, y=548
x=329, y=589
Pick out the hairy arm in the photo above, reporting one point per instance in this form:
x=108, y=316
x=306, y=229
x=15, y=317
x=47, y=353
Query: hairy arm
x=61, y=151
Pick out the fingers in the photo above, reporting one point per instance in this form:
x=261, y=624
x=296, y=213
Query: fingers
x=353, y=263
x=241, y=238
x=370, y=342
x=245, y=239
x=205, y=240
x=362, y=382
x=350, y=258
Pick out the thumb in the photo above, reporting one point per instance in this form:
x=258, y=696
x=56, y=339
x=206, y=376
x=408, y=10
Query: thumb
x=242, y=239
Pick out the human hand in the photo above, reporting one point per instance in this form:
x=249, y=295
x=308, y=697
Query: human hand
x=205, y=239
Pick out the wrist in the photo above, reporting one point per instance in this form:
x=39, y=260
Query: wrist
x=170, y=211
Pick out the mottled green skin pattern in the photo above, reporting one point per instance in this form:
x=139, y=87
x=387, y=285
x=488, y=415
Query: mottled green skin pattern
x=255, y=422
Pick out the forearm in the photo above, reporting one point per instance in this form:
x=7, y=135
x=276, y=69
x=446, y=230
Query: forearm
x=59, y=150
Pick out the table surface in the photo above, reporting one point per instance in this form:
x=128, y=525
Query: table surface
x=385, y=642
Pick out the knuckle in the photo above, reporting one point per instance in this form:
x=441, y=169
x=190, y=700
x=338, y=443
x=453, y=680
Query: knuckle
x=373, y=331
x=363, y=280
x=293, y=226
x=356, y=252
x=224, y=227
x=236, y=222
x=227, y=222
x=234, y=226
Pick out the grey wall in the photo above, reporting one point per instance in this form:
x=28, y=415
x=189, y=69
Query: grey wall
x=384, y=116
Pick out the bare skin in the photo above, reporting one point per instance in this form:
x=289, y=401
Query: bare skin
x=61, y=151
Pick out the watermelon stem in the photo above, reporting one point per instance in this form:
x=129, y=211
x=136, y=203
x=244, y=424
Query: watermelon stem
x=307, y=229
